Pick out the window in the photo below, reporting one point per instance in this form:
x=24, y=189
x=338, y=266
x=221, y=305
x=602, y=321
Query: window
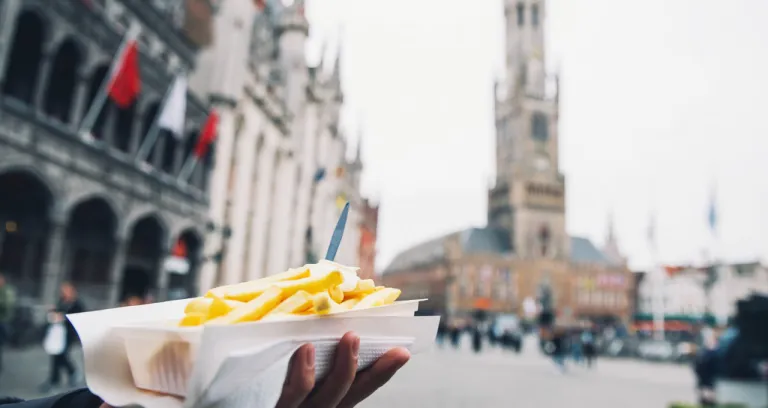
x=539, y=127
x=535, y=15
x=520, y=14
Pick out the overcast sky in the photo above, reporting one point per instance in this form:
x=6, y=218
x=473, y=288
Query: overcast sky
x=662, y=101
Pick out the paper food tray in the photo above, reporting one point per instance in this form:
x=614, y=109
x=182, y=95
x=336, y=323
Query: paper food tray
x=208, y=363
x=161, y=355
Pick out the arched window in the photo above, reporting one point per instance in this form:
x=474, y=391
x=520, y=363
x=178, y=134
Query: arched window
x=539, y=127
x=535, y=15
x=545, y=237
x=61, y=83
x=94, y=85
x=520, y=14
x=25, y=57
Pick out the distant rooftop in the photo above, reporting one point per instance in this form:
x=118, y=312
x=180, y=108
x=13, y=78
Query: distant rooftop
x=487, y=240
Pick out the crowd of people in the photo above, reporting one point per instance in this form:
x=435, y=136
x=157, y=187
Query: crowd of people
x=562, y=344
x=480, y=334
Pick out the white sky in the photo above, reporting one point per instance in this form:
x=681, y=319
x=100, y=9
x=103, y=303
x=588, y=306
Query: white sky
x=662, y=100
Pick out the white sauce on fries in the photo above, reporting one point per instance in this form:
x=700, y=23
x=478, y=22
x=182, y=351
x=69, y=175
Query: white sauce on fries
x=325, y=267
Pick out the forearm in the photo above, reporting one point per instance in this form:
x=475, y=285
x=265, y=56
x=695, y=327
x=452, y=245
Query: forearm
x=81, y=398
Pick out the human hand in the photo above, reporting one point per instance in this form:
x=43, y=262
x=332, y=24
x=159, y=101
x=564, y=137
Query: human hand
x=343, y=387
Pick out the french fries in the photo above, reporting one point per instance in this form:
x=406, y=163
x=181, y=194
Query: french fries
x=291, y=294
x=336, y=294
x=364, y=287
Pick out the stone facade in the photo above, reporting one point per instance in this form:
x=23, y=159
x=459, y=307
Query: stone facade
x=281, y=162
x=80, y=208
x=524, y=255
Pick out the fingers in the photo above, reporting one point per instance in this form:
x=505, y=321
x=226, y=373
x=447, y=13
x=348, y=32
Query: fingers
x=300, y=378
x=375, y=376
x=340, y=379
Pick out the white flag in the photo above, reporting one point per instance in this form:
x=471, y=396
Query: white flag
x=174, y=111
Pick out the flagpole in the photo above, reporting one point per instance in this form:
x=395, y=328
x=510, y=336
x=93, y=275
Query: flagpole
x=658, y=284
x=101, y=96
x=154, y=131
x=188, y=168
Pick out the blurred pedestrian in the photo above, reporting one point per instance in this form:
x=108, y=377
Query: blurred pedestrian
x=133, y=300
x=441, y=331
x=7, y=308
x=558, y=348
x=68, y=303
x=455, y=335
x=577, y=352
x=477, y=339
x=588, y=347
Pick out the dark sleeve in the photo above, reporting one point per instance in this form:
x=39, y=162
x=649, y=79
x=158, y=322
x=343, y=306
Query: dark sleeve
x=81, y=398
x=77, y=307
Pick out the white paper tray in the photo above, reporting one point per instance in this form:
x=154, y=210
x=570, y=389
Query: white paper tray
x=226, y=366
x=162, y=355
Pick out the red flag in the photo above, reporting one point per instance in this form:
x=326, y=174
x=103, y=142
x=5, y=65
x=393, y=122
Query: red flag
x=260, y=4
x=125, y=85
x=207, y=135
x=180, y=249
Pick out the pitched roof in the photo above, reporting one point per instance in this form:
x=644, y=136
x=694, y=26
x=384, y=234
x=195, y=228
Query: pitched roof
x=420, y=254
x=472, y=240
x=584, y=251
x=487, y=240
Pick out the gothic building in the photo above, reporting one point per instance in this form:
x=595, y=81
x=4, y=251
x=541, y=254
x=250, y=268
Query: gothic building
x=281, y=166
x=524, y=254
x=78, y=207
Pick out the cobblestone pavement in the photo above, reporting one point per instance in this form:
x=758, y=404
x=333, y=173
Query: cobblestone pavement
x=459, y=378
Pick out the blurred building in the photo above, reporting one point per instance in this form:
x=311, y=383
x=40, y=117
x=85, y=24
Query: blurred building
x=683, y=291
x=281, y=174
x=701, y=293
x=78, y=207
x=368, y=234
x=524, y=255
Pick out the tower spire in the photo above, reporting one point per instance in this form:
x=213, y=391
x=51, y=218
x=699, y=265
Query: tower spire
x=359, y=148
x=611, y=235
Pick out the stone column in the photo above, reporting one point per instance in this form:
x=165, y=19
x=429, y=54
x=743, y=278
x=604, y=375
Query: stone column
x=43, y=77
x=52, y=268
x=80, y=100
x=161, y=291
x=8, y=12
x=117, y=269
x=157, y=159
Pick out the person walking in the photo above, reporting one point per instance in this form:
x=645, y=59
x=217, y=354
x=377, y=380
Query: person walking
x=559, y=347
x=68, y=303
x=577, y=351
x=7, y=308
x=588, y=347
x=477, y=338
